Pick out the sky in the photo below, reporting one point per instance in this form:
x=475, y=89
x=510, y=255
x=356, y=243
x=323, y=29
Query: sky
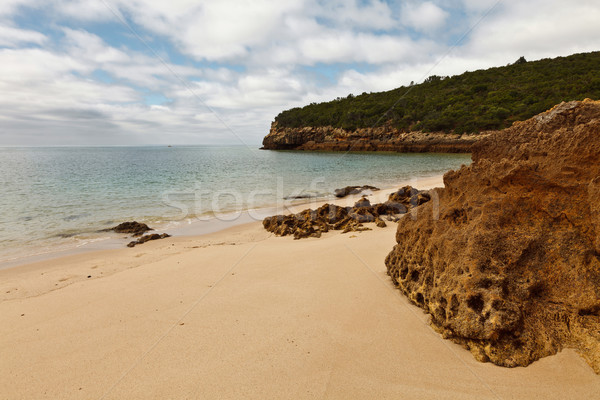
x=137, y=72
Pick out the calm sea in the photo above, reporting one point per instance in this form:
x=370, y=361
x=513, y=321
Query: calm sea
x=58, y=198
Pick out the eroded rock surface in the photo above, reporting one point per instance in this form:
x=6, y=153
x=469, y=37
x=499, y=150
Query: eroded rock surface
x=312, y=223
x=508, y=262
x=383, y=138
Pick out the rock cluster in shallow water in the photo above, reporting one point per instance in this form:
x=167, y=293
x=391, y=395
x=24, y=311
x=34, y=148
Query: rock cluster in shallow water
x=348, y=190
x=132, y=227
x=147, y=238
x=312, y=223
x=508, y=262
x=137, y=229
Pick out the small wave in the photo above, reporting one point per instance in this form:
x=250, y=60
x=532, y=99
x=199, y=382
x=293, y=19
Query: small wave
x=300, y=197
x=304, y=194
x=75, y=233
x=65, y=235
x=76, y=216
x=85, y=242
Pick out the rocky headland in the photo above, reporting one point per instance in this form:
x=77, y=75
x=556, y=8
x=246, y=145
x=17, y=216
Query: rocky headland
x=385, y=138
x=507, y=263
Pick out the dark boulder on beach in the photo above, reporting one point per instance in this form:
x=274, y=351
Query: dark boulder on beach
x=133, y=227
x=507, y=259
x=147, y=238
x=363, y=202
x=403, y=194
x=348, y=190
x=410, y=195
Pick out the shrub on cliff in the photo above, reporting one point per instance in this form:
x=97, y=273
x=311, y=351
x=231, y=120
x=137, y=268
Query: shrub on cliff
x=468, y=103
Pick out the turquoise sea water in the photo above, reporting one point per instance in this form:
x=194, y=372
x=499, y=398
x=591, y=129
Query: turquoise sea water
x=61, y=197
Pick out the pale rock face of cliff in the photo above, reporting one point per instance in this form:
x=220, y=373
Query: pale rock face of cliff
x=384, y=138
x=508, y=261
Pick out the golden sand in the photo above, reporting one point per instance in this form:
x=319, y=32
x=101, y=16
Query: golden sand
x=243, y=314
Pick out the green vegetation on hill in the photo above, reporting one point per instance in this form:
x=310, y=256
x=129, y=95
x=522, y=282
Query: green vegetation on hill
x=467, y=103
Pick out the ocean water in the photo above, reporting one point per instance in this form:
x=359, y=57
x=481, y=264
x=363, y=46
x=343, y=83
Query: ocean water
x=58, y=198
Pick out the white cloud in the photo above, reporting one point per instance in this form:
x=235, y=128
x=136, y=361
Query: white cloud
x=480, y=6
x=537, y=29
x=9, y=7
x=348, y=47
x=133, y=67
x=13, y=37
x=87, y=10
x=424, y=17
x=212, y=30
x=343, y=13
x=36, y=65
x=264, y=57
x=92, y=48
x=232, y=30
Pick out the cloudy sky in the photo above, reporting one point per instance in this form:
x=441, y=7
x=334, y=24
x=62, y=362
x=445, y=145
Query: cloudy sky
x=120, y=72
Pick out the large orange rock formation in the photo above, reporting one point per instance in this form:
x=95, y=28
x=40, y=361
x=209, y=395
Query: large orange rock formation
x=507, y=258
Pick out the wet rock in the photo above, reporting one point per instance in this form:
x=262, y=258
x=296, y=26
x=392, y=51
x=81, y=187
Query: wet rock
x=380, y=223
x=134, y=228
x=348, y=190
x=403, y=195
x=362, y=217
x=363, y=202
x=390, y=207
x=313, y=223
x=355, y=227
x=399, y=201
x=508, y=261
x=420, y=198
x=146, y=238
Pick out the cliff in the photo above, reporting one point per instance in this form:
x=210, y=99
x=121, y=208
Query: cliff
x=471, y=102
x=507, y=258
x=382, y=138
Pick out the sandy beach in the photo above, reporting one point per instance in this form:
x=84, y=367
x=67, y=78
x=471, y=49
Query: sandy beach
x=241, y=313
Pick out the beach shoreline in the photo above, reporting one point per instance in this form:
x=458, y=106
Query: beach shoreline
x=200, y=226
x=243, y=313
x=170, y=189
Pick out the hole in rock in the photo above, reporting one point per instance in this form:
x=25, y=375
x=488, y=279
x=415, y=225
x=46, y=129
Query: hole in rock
x=475, y=303
x=414, y=275
x=420, y=298
x=403, y=273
